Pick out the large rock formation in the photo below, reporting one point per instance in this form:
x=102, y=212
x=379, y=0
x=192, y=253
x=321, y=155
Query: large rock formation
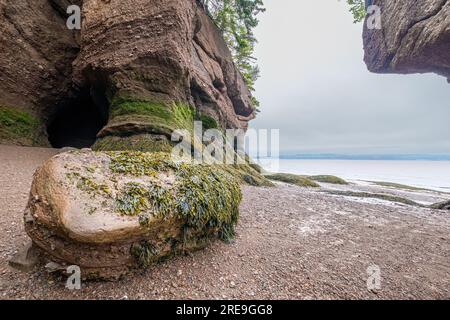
x=137, y=70
x=110, y=213
x=131, y=67
x=414, y=38
x=36, y=55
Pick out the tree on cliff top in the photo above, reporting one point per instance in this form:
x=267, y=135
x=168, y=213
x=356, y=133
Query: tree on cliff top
x=237, y=19
x=358, y=9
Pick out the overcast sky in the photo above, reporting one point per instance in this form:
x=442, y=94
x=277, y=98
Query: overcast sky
x=316, y=89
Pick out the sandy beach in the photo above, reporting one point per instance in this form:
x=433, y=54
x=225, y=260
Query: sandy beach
x=292, y=243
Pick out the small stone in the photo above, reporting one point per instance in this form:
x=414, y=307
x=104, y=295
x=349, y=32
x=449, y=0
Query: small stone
x=53, y=267
x=25, y=259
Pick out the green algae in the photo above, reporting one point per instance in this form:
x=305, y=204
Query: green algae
x=19, y=127
x=208, y=122
x=156, y=118
x=141, y=142
x=293, y=179
x=140, y=163
x=398, y=186
x=195, y=203
x=146, y=253
x=132, y=200
x=160, y=118
x=209, y=197
x=88, y=184
x=202, y=196
x=381, y=196
x=328, y=179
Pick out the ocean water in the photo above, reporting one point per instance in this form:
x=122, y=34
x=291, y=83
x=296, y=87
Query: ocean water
x=424, y=174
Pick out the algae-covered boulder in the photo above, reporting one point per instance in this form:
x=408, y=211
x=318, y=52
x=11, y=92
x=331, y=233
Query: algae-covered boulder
x=111, y=212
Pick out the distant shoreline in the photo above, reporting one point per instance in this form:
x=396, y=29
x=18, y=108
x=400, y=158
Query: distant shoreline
x=378, y=157
x=428, y=174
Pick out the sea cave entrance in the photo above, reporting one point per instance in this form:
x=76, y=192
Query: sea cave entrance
x=77, y=123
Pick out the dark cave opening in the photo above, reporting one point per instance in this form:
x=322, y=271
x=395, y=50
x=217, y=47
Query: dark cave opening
x=77, y=123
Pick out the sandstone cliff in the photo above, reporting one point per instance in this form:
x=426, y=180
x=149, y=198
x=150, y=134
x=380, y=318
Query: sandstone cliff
x=414, y=38
x=131, y=68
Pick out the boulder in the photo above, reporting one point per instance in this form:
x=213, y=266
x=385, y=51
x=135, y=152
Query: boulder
x=414, y=38
x=113, y=212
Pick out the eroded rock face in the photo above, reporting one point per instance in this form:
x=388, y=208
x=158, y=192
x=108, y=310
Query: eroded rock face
x=110, y=213
x=165, y=51
x=153, y=52
x=415, y=38
x=36, y=54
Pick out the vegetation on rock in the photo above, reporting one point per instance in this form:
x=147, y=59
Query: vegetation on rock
x=398, y=186
x=159, y=117
x=203, y=196
x=328, y=179
x=162, y=119
x=188, y=204
x=18, y=127
x=207, y=121
x=441, y=205
x=237, y=19
x=139, y=142
x=381, y=196
x=293, y=179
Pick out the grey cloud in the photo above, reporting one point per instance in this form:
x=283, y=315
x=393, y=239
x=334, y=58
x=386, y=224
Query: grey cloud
x=316, y=89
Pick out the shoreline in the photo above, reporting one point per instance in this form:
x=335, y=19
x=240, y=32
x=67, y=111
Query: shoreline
x=421, y=174
x=292, y=243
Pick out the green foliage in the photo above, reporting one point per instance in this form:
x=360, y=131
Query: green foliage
x=358, y=9
x=237, y=19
